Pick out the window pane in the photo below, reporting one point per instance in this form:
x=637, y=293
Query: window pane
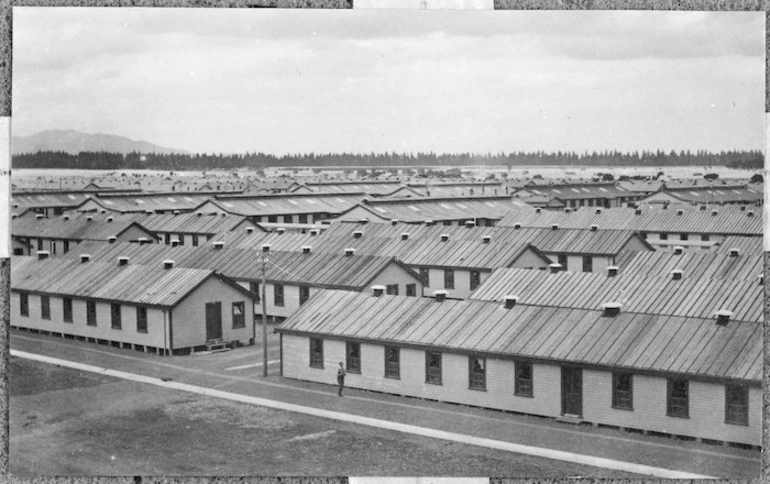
x=353, y=362
x=622, y=390
x=433, y=368
x=141, y=320
x=478, y=373
x=239, y=317
x=411, y=290
x=392, y=368
x=736, y=405
x=316, y=353
x=523, y=384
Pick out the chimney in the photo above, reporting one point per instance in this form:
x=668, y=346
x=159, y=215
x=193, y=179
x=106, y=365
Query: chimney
x=723, y=317
x=249, y=230
x=679, y=211
x=678, y=250
x=486, y=239
x=394, y=222
x=429, y=223
x=612, y=271
x=103, y=211
x=750, y=213
x=217, y=244
x=143, y=240
x=734, y=252
x=85, y=258
x=265, y=248
x=676, y=275
x=444, y=237
x=313, y=232
x=714, y=212
x=554, y=226
x=611, y=309
x=537, y=210
x=306, y=249
x=89, y=218
x=470, y=224
x=174, y=243
x=148, y=212
x=517, y=226
x=350, y=251
x=112, y=239
x=405, y=236
x=510, y=301
x=555, y=267
x=594, y=228
x=378, y=291
x=122, y=260
x=439, y=295
x=66, y=217
x=280, y=230
x=42, y=254
x=743, y=208
x=176, y=212
x=598, y=211
x=357, y=234
x=638, y=211
x=702, y=207
x=168, y=264
x=110, y=219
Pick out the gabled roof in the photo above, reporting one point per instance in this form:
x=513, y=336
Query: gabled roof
x=150, y=285
x=76, y=228
x=184, y=201
x=418, y=210
x=716, y=194
x=288, y=204
x=654, y=343
x=694, y=264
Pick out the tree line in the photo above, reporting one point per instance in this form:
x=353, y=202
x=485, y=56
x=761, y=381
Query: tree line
x=258, y=161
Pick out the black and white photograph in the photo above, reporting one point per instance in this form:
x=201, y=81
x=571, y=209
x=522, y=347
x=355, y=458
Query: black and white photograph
x=392, y=243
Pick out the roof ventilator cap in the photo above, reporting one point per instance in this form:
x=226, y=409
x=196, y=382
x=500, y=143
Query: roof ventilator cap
x=743, y=208
x=612, y=271
x=122, y=260
x=761, y=279
x=405, y=236
x=357, y=234
x=537, y=210
x=638, y=211
x=678, y=250
x=378, y=291
x=394, y=222
x=306, y=249
x=42, y=254
x=249, y=230
x=679, y=212
x=89, y=218
x=266, y=248
x=168, y=264
x=486, y=239
x=444, y=237
x=199, y=214
x=676, y=274
x=554, y=226
x=555, y=267
x=750, y=213
x=510, y=301
x=176, y=212
x=14, y=215
x=103, y=210
x=611, y=309
x=110, y=219
x=734, y=252
x=112, y=239
x=470, y=224
x=66, y=217
x=217, y=244
x=723, y=316
x=174, y=243
x=598, y=211
x=594, y=228
x=440, y=295
x=85, y=258
x=280, y=230
x=714, y=212
x=702, y=207
x=148, y=212
x=517, y=226
x=313, y=232
x=350, y=251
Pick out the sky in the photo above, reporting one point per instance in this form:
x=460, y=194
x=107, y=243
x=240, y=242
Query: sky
x=297, y=81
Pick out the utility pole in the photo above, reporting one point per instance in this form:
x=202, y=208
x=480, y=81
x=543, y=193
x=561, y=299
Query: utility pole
x=265, y=252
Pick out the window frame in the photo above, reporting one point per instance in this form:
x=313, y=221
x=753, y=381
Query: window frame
x=45, y=307
x=475, y=280
x=618, y=397
x=304, y=294
x=563, y=260
x=433, y=377
x=411, y=290
x=477, y=380
x=272, y=219
x=91, y=316
x=391, y=289
x=352, y=363
x=141, y=319
x=523, y=387
x=239, y=320
x=673, y=408
x=663, y=236
x=390, y=365
x=742, y=416
x=425, y=276
x=588, y=263
x=683, y=236
x=316, y=354
x=66, y=303
x=116, y=319
x=278, y=290
x=24, y=304
x=449, y=279
x=705, y=238
x=302, y=219
x=257, y=295
x=195, y=240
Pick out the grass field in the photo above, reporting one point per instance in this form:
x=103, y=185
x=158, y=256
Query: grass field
x=67, y=422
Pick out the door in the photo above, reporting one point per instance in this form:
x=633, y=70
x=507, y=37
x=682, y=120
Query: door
x=571, y=391
x=213, y=320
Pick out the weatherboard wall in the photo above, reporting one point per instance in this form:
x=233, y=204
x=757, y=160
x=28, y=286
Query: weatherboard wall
x=707, y=400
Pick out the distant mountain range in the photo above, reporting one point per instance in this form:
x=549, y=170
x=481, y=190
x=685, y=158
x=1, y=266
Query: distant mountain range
x=73, y=142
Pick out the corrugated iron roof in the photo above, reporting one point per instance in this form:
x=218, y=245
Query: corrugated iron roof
x=185, y=201
x=694, y=264
x=76, y=228
x=656, y=343
x=418, y=210
x=288, y=204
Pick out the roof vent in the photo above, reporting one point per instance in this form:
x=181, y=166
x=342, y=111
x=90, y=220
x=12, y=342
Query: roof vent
x=224, y=214
x=723, y=316
x=470, y=224
x=249, y=230
x=679, y=211
x=168, y=264
x=265, y=248
x=112, y=239
x=122, y=260
x=103, y=211
x=405, y=236
x=66, y=217
x=611, y=309
x=217, y=244
x=612, y=271
x=734, y=252
x=280, y=230
x=176, y=212
x=429, y=222
x=665, y=206
x=85, y=258
x=394, y=222
x=702, y=207
x=517, y=226
x=554, y=226
x=110, y=219
x=199, y=214
x=89, y=218
x=444, y=237
x=714, y=212
x=743, y=208
x=148, y=212
x=555, y=267
x=486, y=239
x=676, y=274
x=306, y=249
x=537, y=210
x=175, y=243
x=313, y=232
x=440, y=295
x=598, y=211
x=357, y=234
x=510, y=301
x=750, y=213
x=678, y=250
x=594, y=228
x=638, y=211
x=42, y=254
x=14, y=215
x=378, y=291
x=350, y=251
x=567, y=210
x=143, y=240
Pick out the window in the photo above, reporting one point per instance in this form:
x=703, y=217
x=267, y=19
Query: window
x=45, y=307
x=90, y=313
x=643, y=235
x=704, y=238
x=425, y=276
x=563, y=261
x=195, y=240
x=683, y=237
x=278, y=294
x=391, y=289
x=18, y=251
x=622, y=390
x=588, y=265
x=304, y=294
x=316, y=353
x=448, y=222
x=67, y=309
x=353, y=357
x=475, y=279
x=302, y=219
x=477, y=373
x=58, y=211
x=239, y=317
x=115, y=316
x=736, y=404
x=523, y=384
x=181, y=239
x=141, y=319
x=39, y=244
x=66, y=246
x=392, y=362
x=168, y=238
x=287, y=219
x=489, y=223
x=53, y=247
x=24, y=304
x=411, y=290
x=678, y=398
x=449, y=279
x=272, y=219
x=254, y=289
x=433, y=367
x=663, y=236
